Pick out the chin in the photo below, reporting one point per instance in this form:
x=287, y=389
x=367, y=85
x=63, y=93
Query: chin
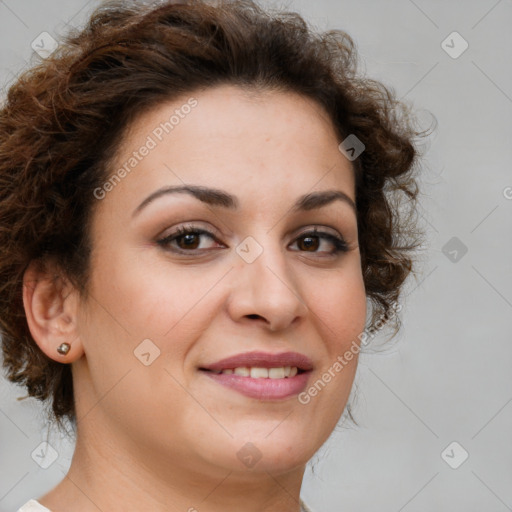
x=272, y=454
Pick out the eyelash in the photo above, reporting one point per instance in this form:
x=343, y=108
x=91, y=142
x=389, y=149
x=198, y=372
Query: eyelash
x=340, y=245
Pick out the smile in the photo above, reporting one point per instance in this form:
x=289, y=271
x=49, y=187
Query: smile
x=268, y=383
x=282, y=372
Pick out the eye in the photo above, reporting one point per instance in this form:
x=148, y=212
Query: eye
x=189, y=239
x=316, y=241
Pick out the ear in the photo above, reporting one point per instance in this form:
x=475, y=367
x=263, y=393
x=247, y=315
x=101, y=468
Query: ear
x=51, y=307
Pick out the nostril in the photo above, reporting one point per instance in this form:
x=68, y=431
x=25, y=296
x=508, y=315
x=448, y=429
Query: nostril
x=254, y=316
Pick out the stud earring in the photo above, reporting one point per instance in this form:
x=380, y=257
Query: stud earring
x=63, y=348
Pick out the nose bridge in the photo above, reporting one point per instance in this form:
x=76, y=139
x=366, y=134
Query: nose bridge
x=264, y=284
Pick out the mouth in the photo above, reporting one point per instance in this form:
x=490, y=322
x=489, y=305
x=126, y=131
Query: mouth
x=260, y=363
x=259, y=372
x=261, y=375
x=264, y=384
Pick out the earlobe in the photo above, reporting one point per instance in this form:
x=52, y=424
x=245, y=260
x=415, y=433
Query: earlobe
x=51, y=308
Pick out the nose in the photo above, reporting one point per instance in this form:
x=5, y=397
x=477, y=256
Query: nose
x=266, y=292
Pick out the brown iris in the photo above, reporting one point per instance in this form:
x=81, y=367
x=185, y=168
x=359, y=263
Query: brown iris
x=308, y=243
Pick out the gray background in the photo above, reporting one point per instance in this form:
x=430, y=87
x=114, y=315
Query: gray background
x=447, y=375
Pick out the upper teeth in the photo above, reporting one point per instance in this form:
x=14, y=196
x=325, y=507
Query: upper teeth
x=262, y=373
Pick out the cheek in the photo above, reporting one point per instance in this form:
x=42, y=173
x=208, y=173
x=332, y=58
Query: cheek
x=156, y=299
x=338, y=304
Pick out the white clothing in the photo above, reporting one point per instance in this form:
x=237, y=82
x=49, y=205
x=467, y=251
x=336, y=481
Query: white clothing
x=33, y=506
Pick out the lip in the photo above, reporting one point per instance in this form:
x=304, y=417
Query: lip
x=262, y=389
x=265, y=388
x=263, y=360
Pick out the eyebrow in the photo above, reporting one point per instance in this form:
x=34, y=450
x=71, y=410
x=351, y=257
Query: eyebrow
x=216, y=197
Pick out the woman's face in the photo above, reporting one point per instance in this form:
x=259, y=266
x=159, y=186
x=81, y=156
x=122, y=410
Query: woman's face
x=247, y=275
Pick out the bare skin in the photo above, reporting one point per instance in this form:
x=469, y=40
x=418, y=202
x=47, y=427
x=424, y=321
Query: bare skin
x=165, y=436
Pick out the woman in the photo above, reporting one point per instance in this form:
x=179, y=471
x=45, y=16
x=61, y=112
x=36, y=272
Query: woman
x=198, y=203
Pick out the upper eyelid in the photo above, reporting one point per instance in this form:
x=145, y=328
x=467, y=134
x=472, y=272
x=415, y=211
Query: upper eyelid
x=319, y=229
x=189, y=226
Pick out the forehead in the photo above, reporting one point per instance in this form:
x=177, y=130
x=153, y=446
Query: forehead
x=228, y=111
x=235, y=139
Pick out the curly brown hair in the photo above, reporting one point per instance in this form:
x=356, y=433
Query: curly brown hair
x=64, y=119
